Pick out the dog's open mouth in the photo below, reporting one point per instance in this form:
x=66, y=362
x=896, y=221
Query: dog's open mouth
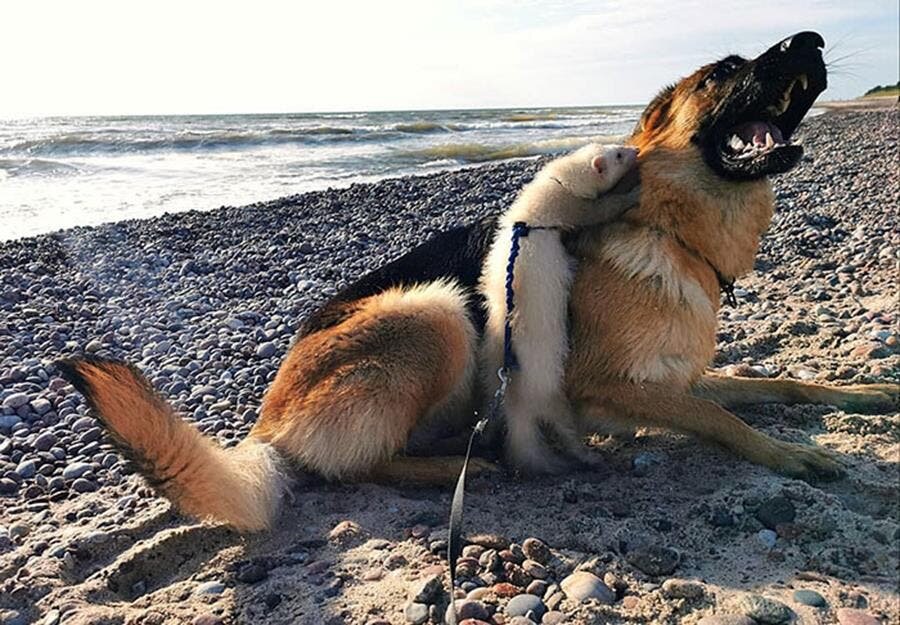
x=753, y=139
x=763, y=139
x=750, y=132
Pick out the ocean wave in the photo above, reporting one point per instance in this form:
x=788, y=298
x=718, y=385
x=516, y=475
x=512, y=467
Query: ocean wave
x=482, y=153
x=440, y=162
x=81, y=143
x=102, y=136
x=10, y=167
x=531, y=123
x=530, y=117
x=357, y=115
x=316, y=130
x=147, y=140
x=423, y=127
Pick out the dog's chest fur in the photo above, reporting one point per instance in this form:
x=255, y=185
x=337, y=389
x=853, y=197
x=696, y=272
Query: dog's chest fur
x=647, y=313
x=645, y=297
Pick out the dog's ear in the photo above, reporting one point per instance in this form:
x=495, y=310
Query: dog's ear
x=657, y=110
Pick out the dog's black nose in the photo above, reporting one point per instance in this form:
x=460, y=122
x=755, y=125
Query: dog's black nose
x=807, y=40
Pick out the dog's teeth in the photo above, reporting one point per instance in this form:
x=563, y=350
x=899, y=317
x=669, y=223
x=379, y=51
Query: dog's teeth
x=785, y=102
x=804, y=81
x=749, y=151
x=770, y=142
x=736, y=143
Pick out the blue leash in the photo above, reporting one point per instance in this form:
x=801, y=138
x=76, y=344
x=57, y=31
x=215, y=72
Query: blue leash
x=510, y=363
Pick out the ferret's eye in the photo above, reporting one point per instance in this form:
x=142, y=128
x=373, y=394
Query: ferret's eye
x=618, y=156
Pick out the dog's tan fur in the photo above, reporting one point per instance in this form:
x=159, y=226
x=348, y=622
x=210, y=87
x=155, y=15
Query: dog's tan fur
x=644, y=299
x=643, y=320
x=346, y=398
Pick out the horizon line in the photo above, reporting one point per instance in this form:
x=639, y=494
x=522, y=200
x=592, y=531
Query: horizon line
x=325, y=112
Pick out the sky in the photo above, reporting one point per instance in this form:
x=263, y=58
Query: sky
x=92, y=57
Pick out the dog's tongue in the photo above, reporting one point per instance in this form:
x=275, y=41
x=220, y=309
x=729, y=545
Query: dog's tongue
x=755, y=132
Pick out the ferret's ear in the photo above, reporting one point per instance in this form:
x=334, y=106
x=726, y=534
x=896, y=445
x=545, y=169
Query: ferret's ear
x=597, y=164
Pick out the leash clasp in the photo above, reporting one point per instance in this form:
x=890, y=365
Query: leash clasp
x=503, y=374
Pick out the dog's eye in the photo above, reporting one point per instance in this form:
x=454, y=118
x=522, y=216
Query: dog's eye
x=618, y=156
x=723, y=69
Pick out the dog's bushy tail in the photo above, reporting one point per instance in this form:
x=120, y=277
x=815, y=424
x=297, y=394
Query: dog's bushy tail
x=241, y=486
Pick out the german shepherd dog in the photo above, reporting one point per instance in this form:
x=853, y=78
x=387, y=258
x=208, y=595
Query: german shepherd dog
x=389, y=364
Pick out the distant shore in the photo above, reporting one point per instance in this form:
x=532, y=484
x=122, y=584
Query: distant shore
x=870, y=103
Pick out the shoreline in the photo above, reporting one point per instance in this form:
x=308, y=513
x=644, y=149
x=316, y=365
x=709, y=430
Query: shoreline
x=525, y=163
x=281, y=201
x=206, y=303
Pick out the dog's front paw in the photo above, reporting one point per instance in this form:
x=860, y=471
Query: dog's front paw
x=807, y=462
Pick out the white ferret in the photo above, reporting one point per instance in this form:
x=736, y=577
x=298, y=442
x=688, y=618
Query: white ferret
x=568, y=192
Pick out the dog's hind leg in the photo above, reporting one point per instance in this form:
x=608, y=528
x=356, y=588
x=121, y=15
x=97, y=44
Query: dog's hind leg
x=661, y=406
x=734, y=391
x=427, y=471
x=347, y=397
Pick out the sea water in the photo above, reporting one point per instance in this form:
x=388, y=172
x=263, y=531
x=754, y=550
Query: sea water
x=68, y=171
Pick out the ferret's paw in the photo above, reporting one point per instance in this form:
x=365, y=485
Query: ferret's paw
x=538, y=460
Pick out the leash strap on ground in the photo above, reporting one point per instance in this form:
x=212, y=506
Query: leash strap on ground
x=454, y=534
x=510, y=363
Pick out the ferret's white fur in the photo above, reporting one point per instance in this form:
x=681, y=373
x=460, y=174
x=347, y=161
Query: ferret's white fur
x=568, y=192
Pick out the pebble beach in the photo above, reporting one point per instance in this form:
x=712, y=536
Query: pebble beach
x=667, y=531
